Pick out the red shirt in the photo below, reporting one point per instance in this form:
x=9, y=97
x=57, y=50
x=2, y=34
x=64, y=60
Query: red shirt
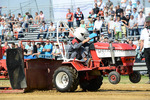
x=70, y=15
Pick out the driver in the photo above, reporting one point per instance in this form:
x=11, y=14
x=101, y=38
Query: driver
x=77, y=47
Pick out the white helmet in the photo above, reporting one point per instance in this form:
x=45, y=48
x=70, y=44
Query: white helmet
x=80, y=33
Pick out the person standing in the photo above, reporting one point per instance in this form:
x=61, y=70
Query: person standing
x=145, y=43
x=70, y=17
x=96, y=9
x=79, y=16
x=109, y=4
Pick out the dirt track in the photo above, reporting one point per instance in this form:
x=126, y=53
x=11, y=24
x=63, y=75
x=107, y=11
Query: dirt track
x=107, y=92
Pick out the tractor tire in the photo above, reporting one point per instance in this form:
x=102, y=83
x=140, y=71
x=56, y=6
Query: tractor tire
x=65, y=79
x=114, y=77
x=135, y=77
x=92, y=85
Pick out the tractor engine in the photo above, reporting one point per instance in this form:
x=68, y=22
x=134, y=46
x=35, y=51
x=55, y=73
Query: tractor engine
x=119, y=54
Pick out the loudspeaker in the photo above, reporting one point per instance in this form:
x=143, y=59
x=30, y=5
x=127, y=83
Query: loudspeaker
x=15, y=67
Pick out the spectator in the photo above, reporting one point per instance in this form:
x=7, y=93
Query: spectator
x=48, y=48
x=129, y=8
x=36, y=18
x=13, y=15
x=39, y=52
x=79, y=16
x=24, y=51
x=134, y=13
x=139, y=6
x=12, y=45
x=83, y=25
x=132, y=24
x=1, y=32
x=107, y=19
x=29, y=53
x=124, y=20
x=96, y=9
x=42, y=43
x=134, y=3
x=111, y=28
x=8, y=35
x=90, y=26
x=61, y=30
x=66, y=47
x=105, y=40
x=25, y=24
x=92, y=35
x=5, y=46
x=98, y=25
x=140, y=22
x=70, y=17
x=92, y=15
x=57, y=52
x=4, y=16
x=16, y=46
x=20, y=31
x=52, y=30
x=43, y=30
x=20, y=19
x=118, y=10
x=102, y=37
x=109, y=4
x=131, y=44
x=111, y=12
x=123, y=4
x=41, y=16
x=30, y=18
x=101, y=5
x=117, y=29
x=9, y=16
x=34, y=47
x=100, y=13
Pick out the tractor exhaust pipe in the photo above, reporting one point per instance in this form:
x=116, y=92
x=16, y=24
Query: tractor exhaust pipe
x=112, y=52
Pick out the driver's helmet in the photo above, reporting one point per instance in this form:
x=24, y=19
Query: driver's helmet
x=81, y=33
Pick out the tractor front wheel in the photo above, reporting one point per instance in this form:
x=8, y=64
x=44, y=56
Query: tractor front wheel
x=65, y=79
x=114, y=77
x=135, y=77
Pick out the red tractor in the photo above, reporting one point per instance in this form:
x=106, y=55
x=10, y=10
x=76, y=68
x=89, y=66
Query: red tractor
x=112, y=59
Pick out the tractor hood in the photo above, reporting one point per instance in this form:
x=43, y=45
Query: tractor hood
x=117, y=46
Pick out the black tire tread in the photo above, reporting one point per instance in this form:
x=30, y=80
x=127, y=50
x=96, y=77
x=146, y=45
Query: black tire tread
x=74, y=75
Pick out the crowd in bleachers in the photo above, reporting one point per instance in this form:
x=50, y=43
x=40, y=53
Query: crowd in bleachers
x=125, y=20
x=122, y=21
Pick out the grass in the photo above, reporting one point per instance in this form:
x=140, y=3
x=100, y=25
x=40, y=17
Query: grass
x=124, y=80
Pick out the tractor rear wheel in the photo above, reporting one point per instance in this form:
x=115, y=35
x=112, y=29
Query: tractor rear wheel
x=114, y=77
x=135, y=77
x=65, y=79
x=92, y=85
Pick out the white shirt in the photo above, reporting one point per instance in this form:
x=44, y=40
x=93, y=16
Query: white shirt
x=139, y=7
x=102, y=5
x=52, y=27
x=123, y=4
x=111, y=25
x=117, y=26
x=145, y=35
x=98, y=24
x=41, y=16
x=129, y=7
x=141, y=21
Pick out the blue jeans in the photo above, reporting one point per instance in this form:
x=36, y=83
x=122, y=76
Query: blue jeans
x=78, y=23
x=140, y=28
x=70, y=24
x=132, y=32
x=44, y=35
